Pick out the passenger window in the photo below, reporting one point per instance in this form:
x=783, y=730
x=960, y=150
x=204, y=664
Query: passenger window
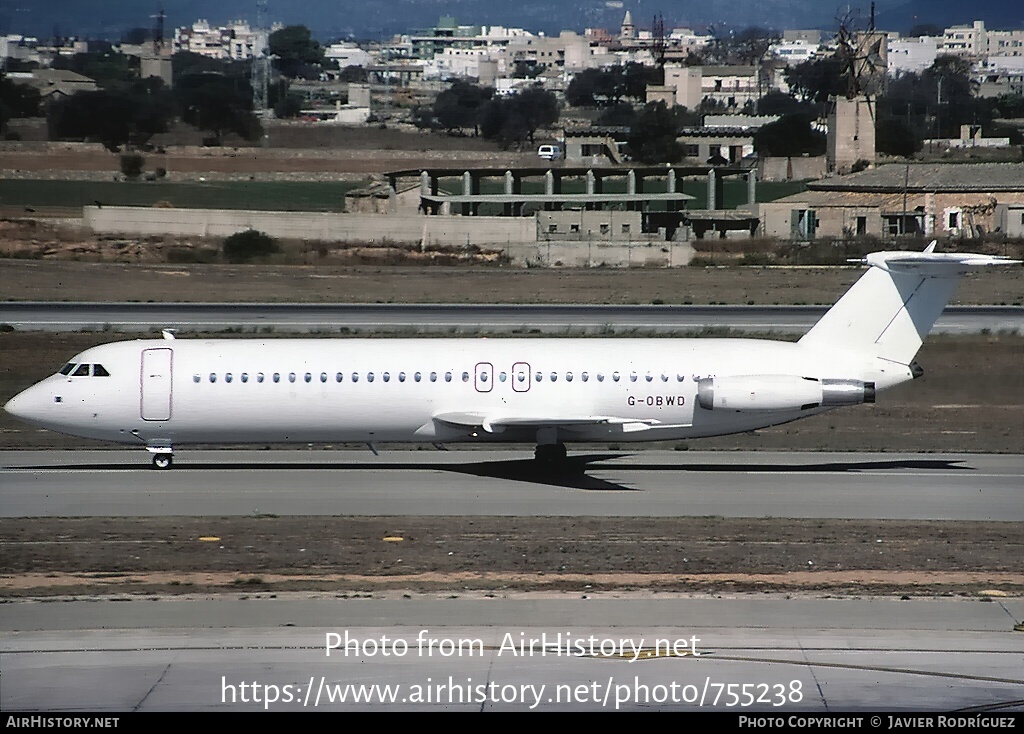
x=82, y=371
x=568, y=376
x=538, y=377
x=291, y=377
x=259, y=377
x=277, y=377
x=615, y=376
x=196, y=377
x=433, y=377
x=417, y=377
x=66, y=369
x=679, y=378
x=600, y=377
x=355, y=377
x=584, y=377
x=401, y=377
x=632, y=376
x=323, y=377
x=386, y=377
x=99, y=371
x=227, y=377
x=649, y=377
x=465, y=377
x=369, y=377
x=554, y=377
x=447, y=376
x=337, y=377
x=483, y=377
x=245, y=377
x=502, y=376
x=213, y=377
x=664, y=377
x=308, y=377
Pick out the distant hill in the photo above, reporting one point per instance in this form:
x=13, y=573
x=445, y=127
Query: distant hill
x=332, y=19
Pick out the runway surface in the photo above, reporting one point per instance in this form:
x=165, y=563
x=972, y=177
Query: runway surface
x=466, y=319
x=769, y=655
x=506, y=483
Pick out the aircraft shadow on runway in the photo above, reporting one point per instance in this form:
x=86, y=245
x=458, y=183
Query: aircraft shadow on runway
x=572, y=474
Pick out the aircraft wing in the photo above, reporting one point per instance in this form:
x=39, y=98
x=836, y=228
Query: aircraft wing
x=498, y=423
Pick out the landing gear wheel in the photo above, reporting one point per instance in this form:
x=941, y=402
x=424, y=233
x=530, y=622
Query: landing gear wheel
x=162, y=461
x=550, y=453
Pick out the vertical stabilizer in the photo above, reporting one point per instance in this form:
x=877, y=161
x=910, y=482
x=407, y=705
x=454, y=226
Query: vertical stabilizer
x=890, y=310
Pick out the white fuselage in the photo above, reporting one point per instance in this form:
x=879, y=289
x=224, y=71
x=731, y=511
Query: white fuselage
x=181, y=391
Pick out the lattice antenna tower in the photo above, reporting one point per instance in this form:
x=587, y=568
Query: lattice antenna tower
x=658, y=34
x=261, y=62
x=158, y=30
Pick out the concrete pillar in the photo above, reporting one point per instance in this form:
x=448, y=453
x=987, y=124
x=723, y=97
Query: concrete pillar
x=508, y=183
x=549, y=183
x=631, y=182
x=424, y=183
x=467, y=183
x=752, y=187
x=712, y=204
x=670, y=181
x=590, y=182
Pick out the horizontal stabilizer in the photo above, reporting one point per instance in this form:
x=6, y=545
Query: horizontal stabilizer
x=887, y=313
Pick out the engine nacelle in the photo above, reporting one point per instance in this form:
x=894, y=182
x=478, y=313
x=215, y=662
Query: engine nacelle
x=780, y=392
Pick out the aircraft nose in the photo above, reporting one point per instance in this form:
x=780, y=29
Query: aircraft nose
x=27, y=405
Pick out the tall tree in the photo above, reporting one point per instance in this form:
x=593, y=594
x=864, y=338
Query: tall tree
x=516, y=118
x=652, y=136
x=790, y=135
x=218, y=104
x=295, y=51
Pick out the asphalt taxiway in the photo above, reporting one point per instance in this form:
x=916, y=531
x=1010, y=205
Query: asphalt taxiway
x=443, y=318
x=755, y=654
x=508, y=483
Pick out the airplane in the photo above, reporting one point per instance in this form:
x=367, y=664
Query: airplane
x=162, y=393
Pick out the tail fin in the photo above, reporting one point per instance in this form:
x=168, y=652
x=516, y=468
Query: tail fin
x=890, y=310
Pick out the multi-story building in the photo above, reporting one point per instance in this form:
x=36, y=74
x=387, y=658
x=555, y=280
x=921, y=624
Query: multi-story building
x=236, y=40
x=976, y=42
x=912, y=55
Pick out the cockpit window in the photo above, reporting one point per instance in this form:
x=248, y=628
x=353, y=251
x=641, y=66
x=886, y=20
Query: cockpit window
x=98, y=370
x=82, y=371
x=66, y=369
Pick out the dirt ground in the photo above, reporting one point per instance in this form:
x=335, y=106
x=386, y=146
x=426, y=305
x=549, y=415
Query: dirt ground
x=144, y=556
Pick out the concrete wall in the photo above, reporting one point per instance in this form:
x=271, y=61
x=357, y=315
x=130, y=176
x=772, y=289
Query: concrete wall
x=592, y=254
x=1010, y=219
x=318, y=226
x=792, y=169
x=515, y=236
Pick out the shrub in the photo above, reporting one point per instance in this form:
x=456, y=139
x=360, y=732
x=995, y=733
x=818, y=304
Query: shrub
x=131, y=164
x=244, y=246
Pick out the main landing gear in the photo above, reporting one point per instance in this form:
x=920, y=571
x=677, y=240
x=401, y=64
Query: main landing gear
x=550, y=453
x=549, y=449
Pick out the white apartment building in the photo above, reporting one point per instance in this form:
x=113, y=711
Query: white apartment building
x=975, y=41
x=794, y=52
x=347, y=54
x=912, y=54
x=236, y=40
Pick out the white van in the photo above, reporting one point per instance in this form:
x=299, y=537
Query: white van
x=550, y=152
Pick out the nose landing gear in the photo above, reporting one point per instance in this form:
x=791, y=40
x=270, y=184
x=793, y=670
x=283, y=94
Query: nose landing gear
x=163, y=456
